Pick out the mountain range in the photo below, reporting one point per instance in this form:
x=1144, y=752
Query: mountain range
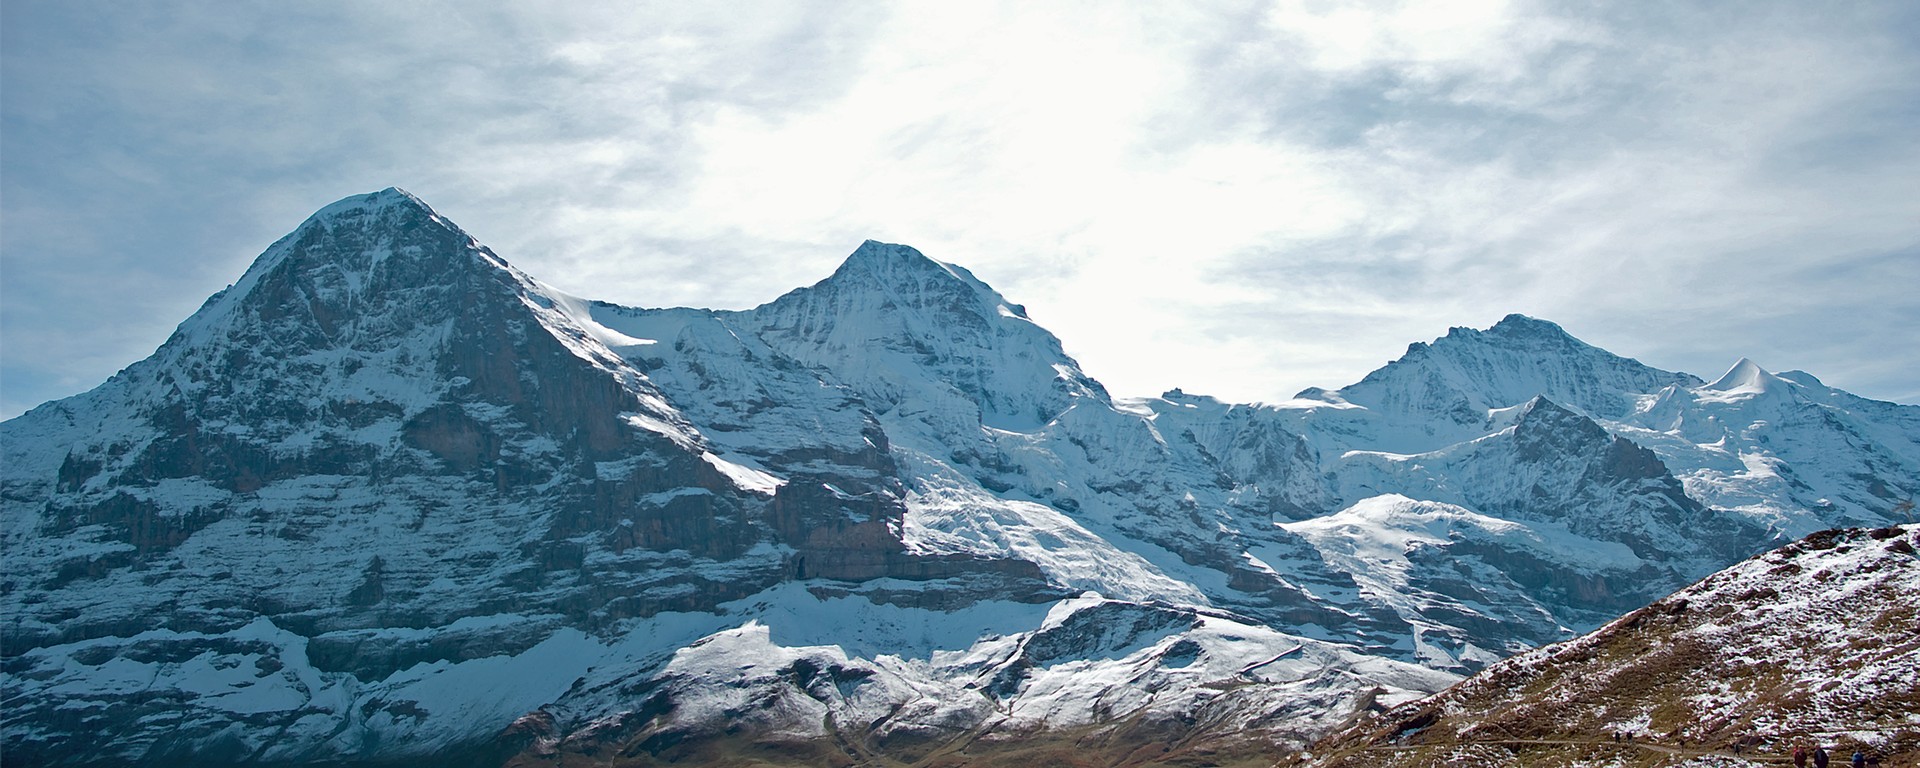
x=387, y=498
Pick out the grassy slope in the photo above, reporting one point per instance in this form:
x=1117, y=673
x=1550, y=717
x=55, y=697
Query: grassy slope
x=1818, y=641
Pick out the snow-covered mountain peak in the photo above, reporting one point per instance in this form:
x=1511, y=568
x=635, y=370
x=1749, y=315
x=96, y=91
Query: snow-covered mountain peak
x=1745, y=378
x=901, y=328
x=1756, y=392
x=357, y=271
x=1464, y=375
x=1542, y=409
x=355, y=205
x=380, y=224
x=1521, y=326
x=1516, y=332
x=906, y=278
x=877, y=259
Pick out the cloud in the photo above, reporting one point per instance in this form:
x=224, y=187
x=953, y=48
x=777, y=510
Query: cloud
x=151, y=153
x=1238, y=198
x=1600, y=171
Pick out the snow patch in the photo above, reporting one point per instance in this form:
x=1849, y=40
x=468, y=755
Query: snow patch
x=744, y=477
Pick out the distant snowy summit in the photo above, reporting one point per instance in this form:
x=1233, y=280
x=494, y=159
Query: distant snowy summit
x=389, y=499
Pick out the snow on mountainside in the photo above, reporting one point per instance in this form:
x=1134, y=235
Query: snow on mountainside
x=1816, y=643
x=386, y=494
x=1527, y=425
x=378, y=474
x=387, y=498
x=1785, y=451
x=1121, y=677
x=914, y=335
x=1443, y=392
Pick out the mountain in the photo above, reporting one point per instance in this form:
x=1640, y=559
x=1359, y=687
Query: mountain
x=387, y=498
x=1784, y=450
x=1441, y=392
x=380, y=452
x=1815, y=643
x=911, y=334
x=385, y=495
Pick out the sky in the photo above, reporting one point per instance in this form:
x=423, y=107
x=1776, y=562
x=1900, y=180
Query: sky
x=1240, y=199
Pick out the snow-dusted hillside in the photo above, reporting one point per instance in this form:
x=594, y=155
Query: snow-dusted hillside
x=389, y=498
x=1816, y=643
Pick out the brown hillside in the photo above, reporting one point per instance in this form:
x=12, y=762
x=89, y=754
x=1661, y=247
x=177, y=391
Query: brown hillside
x=1817, y=642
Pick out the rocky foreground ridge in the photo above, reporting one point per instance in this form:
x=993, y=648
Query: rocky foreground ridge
x=387, y=498
x=1816, y=643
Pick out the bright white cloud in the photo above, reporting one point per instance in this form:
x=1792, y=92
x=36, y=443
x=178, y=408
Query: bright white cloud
x=1237, y=199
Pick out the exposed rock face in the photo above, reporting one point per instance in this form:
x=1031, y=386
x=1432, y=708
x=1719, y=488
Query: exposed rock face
x=387, y=498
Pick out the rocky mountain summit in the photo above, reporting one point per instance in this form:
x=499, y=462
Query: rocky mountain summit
x=387, y=498
x=1815, y=643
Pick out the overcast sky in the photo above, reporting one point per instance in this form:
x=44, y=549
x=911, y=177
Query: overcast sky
x=1240, y=199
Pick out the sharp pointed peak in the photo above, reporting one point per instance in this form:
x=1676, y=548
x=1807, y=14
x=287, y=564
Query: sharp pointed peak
x=1541, y=405
x=1745, y=375
x=881, y=259
x=357, y=232
x=385, y=199
x=891, y=266
x=1744, y=367
x=340, y=260
x=1541, y=416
